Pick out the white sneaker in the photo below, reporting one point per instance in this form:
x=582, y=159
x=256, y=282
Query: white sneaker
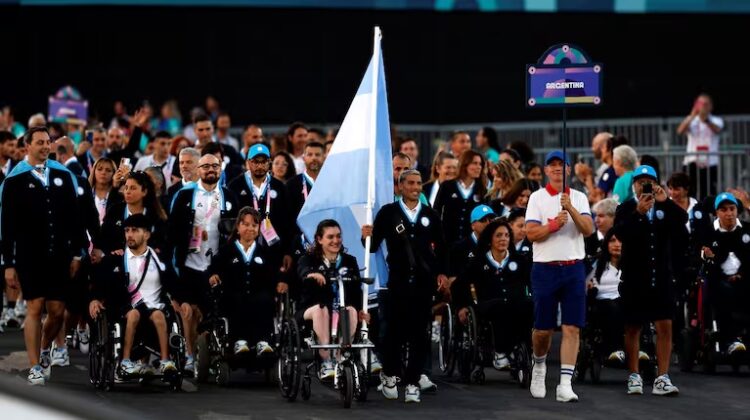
x=412, y=394
x=538, y=375
x=663, y=386
x=735, y=347
x=643, y=356
x=21, y=308
x=565, y=393
x=617, y=356
x=128, y=367
x=45, y=361
x=167, y=366
x=263, y=348
x=190, y=365
x=60, y=356
x=240, y=346
x=635, y=384
x=435, y=332
x=500, y=361
x=425, y=384
x=10, y=319
x=327, y=370
x=36, y=376
x=388, y=387
x=83, y=340
x=375, y=365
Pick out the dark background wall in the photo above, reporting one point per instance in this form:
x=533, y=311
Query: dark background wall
x=275, y=66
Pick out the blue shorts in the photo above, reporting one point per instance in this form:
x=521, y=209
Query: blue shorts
x=558, y=284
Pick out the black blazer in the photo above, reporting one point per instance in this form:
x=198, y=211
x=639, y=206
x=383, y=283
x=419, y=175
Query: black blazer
x=113, y=234
x=181, y=220
x=110, y=284
x=722, y=243
x=279, y=209
x=40, y=222
x=295, y=195
x=455, y=211
x=511, y=284
x=76, y=168
x=647, y=247
x=314, y=294
x=425, y=237
x=238, y=277
x=89, y=214
x=462, y=252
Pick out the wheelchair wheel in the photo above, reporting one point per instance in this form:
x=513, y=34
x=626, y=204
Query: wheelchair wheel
x=346, y=383
x=289, y=370
x=687, y=350
x=446, y=346
x=363, y=380
x=467, y=346
x=596, y=369
x=222, y=373
x=202, y=358
x=584, y=360
x=102, y=361
x=306, y=391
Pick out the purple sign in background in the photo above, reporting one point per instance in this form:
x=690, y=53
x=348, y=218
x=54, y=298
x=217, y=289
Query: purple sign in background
x=64, y=109
x=564, y=85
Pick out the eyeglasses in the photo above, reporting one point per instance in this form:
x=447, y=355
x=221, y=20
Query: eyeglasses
x=207, y=166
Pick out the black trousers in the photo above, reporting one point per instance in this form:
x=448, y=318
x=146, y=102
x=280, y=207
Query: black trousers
x=407, y=316
x=607, y=317
x=729, y=304
x=250, y=316
x=511, y=321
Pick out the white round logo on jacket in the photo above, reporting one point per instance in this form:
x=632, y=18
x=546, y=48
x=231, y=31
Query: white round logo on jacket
x=746, y=238
x=512, y=266
x=425, y=221
x=476, y=198
x=80, y=190
x=659, y=214
x=229, y=206
x=273, y=194
x=258, y=260
x=698, y=214
x=605, y=177
x=58, y=182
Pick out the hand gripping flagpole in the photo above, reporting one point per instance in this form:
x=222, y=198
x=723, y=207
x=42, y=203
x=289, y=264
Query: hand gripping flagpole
x=371, y=169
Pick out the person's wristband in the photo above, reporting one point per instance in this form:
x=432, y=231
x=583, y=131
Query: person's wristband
x=553, y=225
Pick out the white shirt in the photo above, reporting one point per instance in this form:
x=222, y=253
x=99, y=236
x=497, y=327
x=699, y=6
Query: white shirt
x=609, y=283
x=599, y=172
x=258, y=191
x=465, y=191
x=247, y=253
x=229, y=140
x=732, y=264
x=166, y=167
x=702, y=139
x=299, y=164
x=567, y=243
x=207, y=216
x=410, y=213
x=434, y=192
x=101, y=206
x=150, y=290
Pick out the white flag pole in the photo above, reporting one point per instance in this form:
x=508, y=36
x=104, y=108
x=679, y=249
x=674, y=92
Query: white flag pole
x=371, y=168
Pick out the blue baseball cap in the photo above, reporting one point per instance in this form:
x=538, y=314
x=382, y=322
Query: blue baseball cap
x=724, y=197
x=556, y=154
x=645, y=170
x=480, y=212
x=258, y=150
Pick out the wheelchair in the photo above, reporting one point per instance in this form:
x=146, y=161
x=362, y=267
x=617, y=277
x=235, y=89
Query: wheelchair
x=470, y=347
x=699, y=338
x=299, y=359
x=214, y=354
x=107, y=340
x=592, y=356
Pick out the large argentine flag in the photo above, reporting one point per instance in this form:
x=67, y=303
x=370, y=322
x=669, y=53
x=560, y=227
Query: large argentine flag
x=341, y=190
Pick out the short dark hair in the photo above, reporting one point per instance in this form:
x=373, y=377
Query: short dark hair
x=29, y=134
x=513, y=154
x=317, y=131
x=212, y=149
x=200, y=118
x=458, y=133
x=315, y=144
x=5, y=136
x=401, y=156
x=162, y=135
x=515, y=214
x=491, y=135
x=294, y=126
x=679, y=180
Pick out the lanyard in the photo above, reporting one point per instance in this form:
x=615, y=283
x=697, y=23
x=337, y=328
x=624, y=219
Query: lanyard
x=265, y=191
x=305, y=180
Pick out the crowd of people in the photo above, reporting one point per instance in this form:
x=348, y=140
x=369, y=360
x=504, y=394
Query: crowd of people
x=143, y=214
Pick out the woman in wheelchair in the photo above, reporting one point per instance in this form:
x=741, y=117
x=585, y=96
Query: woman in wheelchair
x=328, y=259
x=247, y=270
x=496, y=284
x=728, y=256
x=604, y=298
x=135, y=285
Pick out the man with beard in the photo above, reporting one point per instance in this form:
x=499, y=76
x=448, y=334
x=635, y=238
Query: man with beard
x=299, y=187
x=7, y=153
x=196, y=215
x=42, y=244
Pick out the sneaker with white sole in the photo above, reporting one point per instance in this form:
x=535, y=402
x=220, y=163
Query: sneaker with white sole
x=60, y=356
x=189, y=365
x=565, y=393
x=538, y=375
x=128, y=367
x=663, y=386
x=10, y=319
x=412, y=394
x=635, y=384
x=36, y=376
x=83, y=340
x=45, y=361
x=426, y=385
x=500, y=361
x=388, y=387
x=737, y=346
x=643, y=356
x=166, y=366
x=435, y=332
x=327, y=370
x=240, y=346
x=21, y=308
x=617, y=356
x=263, y=348
x=375, y=366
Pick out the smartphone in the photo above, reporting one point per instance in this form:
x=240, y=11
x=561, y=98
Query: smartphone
x=125, y=162
x=648, y=188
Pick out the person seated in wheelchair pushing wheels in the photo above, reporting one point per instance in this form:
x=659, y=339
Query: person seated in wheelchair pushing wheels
x=728, y=256
x=327, y=260
x=496, y=283
x=135, y=284
x=247, y=270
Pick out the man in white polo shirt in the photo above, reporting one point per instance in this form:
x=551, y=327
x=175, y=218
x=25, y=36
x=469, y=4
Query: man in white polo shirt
x=557, y=223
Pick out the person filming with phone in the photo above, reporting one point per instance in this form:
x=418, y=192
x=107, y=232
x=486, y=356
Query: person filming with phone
x=703, y=131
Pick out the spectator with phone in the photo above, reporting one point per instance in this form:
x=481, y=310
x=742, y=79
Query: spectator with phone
x=703, y=131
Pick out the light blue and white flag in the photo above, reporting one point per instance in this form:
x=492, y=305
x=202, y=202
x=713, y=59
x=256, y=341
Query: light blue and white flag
x=346, y=189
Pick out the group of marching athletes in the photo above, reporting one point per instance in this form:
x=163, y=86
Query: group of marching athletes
x=134, y=259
